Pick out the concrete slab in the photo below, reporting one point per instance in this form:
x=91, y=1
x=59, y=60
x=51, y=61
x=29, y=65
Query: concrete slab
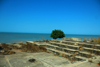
x=3, y=62
x=87, y=64
x=20, y=59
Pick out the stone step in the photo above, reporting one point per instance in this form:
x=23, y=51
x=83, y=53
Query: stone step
x=71, y=50
x=65, y=45
x=82, y=58
x=73, y=46
x=86, y=54
x=83, y=52
x=91, y=49
x=68, y=54
x=61, y=52
x=60, y=48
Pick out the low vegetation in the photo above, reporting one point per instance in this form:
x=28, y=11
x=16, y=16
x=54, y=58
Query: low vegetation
x=43, y=41
x=57, y=34
x=25, y=47
x=91, y=40
x=32, y=48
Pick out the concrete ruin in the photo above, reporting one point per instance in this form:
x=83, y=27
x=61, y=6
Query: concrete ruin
x=72, y=50
x=61, y=53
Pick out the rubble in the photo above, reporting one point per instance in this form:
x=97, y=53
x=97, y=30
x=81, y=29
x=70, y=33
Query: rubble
x=32, y=60
x=8, y=52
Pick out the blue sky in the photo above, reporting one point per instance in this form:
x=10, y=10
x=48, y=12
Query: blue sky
x=43, y=16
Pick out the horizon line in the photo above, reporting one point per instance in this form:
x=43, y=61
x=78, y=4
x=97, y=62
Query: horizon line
x=47, y=33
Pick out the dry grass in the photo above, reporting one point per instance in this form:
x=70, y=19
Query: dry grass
x=32, y=48
x=8, y=52
x=84, y=40
x=90, y=61
x=7, y=49
x=5, y=46
x=24, y=47
x=42, y=41
x=96, y=40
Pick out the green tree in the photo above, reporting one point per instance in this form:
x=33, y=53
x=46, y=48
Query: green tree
x=57, y=34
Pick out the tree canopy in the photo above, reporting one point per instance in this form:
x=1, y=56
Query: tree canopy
x=57, y=34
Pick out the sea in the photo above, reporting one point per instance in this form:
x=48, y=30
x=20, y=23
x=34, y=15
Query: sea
x=6, y=37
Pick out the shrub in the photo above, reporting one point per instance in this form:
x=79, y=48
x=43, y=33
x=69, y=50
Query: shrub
x=57, y=34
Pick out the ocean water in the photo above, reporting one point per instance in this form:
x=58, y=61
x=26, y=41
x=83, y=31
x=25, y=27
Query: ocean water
x=23, y=37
